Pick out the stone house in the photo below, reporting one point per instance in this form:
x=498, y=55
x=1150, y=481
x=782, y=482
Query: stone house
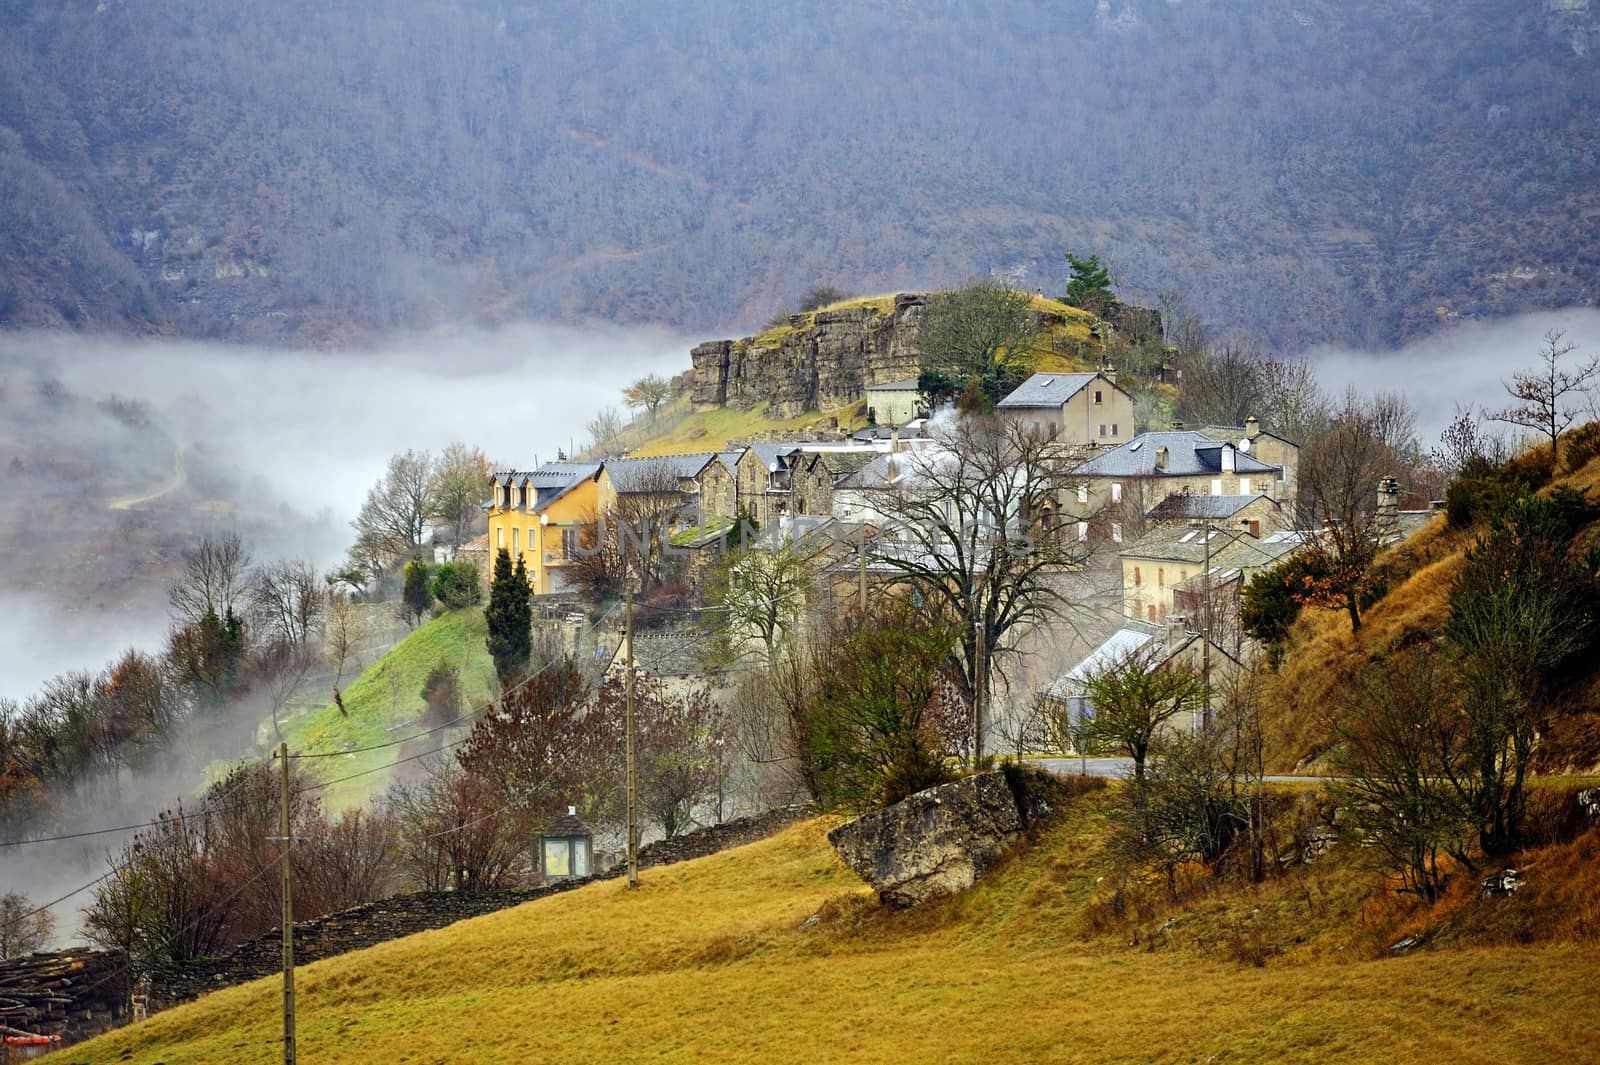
x=1267, y=446
x=1258, y=515
x=1172, y=644
x=1124, y=483
x=1072, y=408
x=894, y=403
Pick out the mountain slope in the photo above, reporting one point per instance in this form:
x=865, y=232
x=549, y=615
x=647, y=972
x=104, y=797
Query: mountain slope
x=294, y=170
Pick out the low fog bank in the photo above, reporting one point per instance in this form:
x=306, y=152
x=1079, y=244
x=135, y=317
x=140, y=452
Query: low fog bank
x=301, y=435
x=40, y=639
x=319, y=426
x=1459, y=365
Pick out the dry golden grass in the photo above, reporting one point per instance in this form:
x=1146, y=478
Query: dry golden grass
x=709, y=962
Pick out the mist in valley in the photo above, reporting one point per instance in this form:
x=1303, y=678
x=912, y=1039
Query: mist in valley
x=1462, y=364
x=281, y=445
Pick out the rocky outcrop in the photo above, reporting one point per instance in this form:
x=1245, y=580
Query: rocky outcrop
x=941, y=841
x=818, y=361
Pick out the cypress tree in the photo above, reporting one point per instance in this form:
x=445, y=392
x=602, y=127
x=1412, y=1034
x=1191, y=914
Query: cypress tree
x=510, y=618
x=418, y=595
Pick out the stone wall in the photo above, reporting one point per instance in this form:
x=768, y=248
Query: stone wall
x=820, y=361
x=403, y=915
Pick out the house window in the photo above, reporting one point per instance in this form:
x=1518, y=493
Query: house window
x=1136, y=576
x=1161, y=577
x=1116, y=532
x=1152, y=614
x=516, y=536
x=1244, y=486
x=1216, y=486
x=1116, y=492
x=500, y=538
x=1113, y=429
x=1098, y=395
x=1083, y=493
x=1102, y=429
x=1083, y=532
x=569, y=544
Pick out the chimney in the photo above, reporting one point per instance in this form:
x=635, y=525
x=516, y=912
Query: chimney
x=1177, y=631
x=1109, y=372
x=1252, y=427
x=1161, y=458
x=1388, y=504
x=1228, y=463
x=1177, y=426
x=895, y=447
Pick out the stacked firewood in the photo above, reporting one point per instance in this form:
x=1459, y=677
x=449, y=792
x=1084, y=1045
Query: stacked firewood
x=70, y=992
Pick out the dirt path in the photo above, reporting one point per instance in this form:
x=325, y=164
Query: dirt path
x=179, y=478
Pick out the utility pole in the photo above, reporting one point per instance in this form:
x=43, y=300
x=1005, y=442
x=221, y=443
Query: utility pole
x=1205, y=645
x=861, y=577
x=632, y=763
x=978, y=678
x=288, y=914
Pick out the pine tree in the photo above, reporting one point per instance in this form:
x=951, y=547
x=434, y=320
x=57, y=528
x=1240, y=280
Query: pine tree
x=510, y=618
x=1090, y=284
x=417, y=596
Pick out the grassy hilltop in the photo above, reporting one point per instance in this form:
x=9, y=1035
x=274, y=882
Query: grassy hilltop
x=717, y=960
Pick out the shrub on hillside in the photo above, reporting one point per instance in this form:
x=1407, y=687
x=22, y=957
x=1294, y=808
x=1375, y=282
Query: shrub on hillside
x=455, y=585
x=1583, y=444
x=441, y=691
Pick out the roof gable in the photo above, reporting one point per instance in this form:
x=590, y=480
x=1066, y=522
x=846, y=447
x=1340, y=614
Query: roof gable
x=1048, y=390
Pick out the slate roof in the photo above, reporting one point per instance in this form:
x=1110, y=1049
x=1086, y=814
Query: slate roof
x=1175, y=543
x=1125, y=641
x=1186, y=505
x=568, y=825
x=1046, y=390
x=633, y=475
x=1236, y=432
x=549, y=475
x=550, y=481
x=1189, y=454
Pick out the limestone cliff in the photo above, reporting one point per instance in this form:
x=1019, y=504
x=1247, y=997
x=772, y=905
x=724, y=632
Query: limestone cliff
x=818, y=361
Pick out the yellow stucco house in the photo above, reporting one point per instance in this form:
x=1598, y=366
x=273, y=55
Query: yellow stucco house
x=543, y=515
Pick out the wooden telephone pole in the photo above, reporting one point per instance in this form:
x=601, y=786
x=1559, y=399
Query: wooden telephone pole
x=288, y=914
x=632, y=757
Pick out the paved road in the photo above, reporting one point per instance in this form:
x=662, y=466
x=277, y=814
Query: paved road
x=1123, y=767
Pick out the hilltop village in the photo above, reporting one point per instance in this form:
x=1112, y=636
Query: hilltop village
x=925, y=598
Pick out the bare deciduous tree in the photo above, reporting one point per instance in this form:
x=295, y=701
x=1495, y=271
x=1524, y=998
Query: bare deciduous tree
x=1541, y=392
x=215, y=580
x=288, y=602
x=22, y=931
x=395, y=516
x=1133, y=698
x=460, y=488
x=967, y=535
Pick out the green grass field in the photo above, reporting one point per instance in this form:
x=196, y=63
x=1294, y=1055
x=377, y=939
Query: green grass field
x=385, y=702
x=715, y=961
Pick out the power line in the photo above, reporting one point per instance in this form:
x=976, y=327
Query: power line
x=119, y=828
x=465, y=715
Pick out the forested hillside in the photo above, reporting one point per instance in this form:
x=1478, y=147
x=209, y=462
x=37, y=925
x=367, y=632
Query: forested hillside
x=295, y=170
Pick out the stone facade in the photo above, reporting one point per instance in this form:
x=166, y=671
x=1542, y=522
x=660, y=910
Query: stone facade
x=820, y=361
x=719, y=493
